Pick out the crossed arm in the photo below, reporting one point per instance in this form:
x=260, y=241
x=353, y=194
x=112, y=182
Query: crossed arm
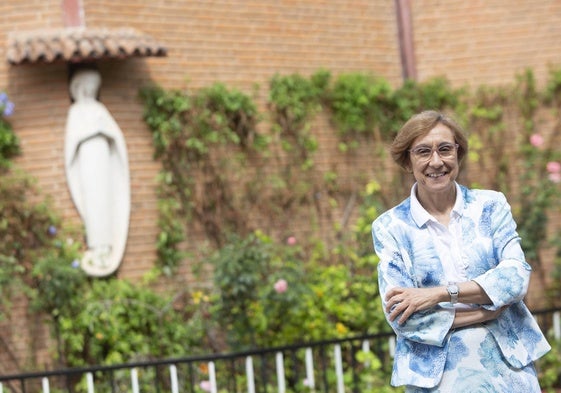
x=401, y=303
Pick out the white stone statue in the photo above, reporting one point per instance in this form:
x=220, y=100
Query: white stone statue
x=97, y=171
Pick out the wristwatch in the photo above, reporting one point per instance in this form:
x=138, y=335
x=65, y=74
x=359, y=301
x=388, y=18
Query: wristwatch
x=453, y=291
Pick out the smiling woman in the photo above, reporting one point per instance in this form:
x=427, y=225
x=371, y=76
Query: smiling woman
x=452, y=274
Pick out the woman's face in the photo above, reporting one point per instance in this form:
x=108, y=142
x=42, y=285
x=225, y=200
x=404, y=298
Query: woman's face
x=434, y=160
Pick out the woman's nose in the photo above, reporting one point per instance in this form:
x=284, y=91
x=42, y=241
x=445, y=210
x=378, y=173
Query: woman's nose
x=435, y=158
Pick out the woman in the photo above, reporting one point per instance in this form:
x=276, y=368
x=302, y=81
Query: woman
x=452, y=274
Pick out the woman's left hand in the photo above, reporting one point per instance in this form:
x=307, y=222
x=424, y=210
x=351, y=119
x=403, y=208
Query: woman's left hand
x=403, y=302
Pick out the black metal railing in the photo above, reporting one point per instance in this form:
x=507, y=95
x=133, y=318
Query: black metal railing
x=316, y=366
x=322, y=366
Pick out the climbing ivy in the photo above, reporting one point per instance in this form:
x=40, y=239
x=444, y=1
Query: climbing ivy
x=293, y=101
x=189, y=131
x=358, y=102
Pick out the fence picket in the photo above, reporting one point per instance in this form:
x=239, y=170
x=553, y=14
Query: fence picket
x=250, y=375
x=134, y=380
x=212, y=376
x=366, y=349
x=90, y=382
x=279, y=360
x=310, y=380
x=392, y=346
x=173, y=378
x=339, y=369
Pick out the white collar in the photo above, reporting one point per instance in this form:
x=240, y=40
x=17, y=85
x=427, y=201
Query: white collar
x=421, y=216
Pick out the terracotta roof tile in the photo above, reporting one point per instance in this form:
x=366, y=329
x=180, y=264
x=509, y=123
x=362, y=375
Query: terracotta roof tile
x=79, y=44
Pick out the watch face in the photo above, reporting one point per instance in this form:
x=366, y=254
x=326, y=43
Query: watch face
x=453, y=291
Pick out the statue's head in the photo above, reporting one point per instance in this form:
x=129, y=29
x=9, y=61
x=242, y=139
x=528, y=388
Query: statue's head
x=85, y=83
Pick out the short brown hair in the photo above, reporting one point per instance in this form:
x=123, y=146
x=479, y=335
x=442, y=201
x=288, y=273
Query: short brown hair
x=420, y=125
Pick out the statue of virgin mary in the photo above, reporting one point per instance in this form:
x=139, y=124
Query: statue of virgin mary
x=97, y=172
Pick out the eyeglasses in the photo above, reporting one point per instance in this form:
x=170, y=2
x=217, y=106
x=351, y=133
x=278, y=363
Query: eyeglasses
x=444, y=150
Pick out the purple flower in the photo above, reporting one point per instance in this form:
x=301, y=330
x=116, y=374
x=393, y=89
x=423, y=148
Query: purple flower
x=6, y=105
x=9, y=108
x=52, y=230
x=75, y=264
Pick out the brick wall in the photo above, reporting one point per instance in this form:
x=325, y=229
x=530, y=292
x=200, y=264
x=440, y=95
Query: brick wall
x=485, y=42
x=243, y=43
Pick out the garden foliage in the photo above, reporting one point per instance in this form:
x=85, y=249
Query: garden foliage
x=222, y=161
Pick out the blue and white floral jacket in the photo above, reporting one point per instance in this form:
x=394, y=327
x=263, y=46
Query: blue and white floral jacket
x=491, y=250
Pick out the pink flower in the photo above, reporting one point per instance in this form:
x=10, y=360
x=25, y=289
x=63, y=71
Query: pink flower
x=536, y=140
x=205, y=385
x=555, y=177
x=553, y=167
x=281, y=286
x=291, y=241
